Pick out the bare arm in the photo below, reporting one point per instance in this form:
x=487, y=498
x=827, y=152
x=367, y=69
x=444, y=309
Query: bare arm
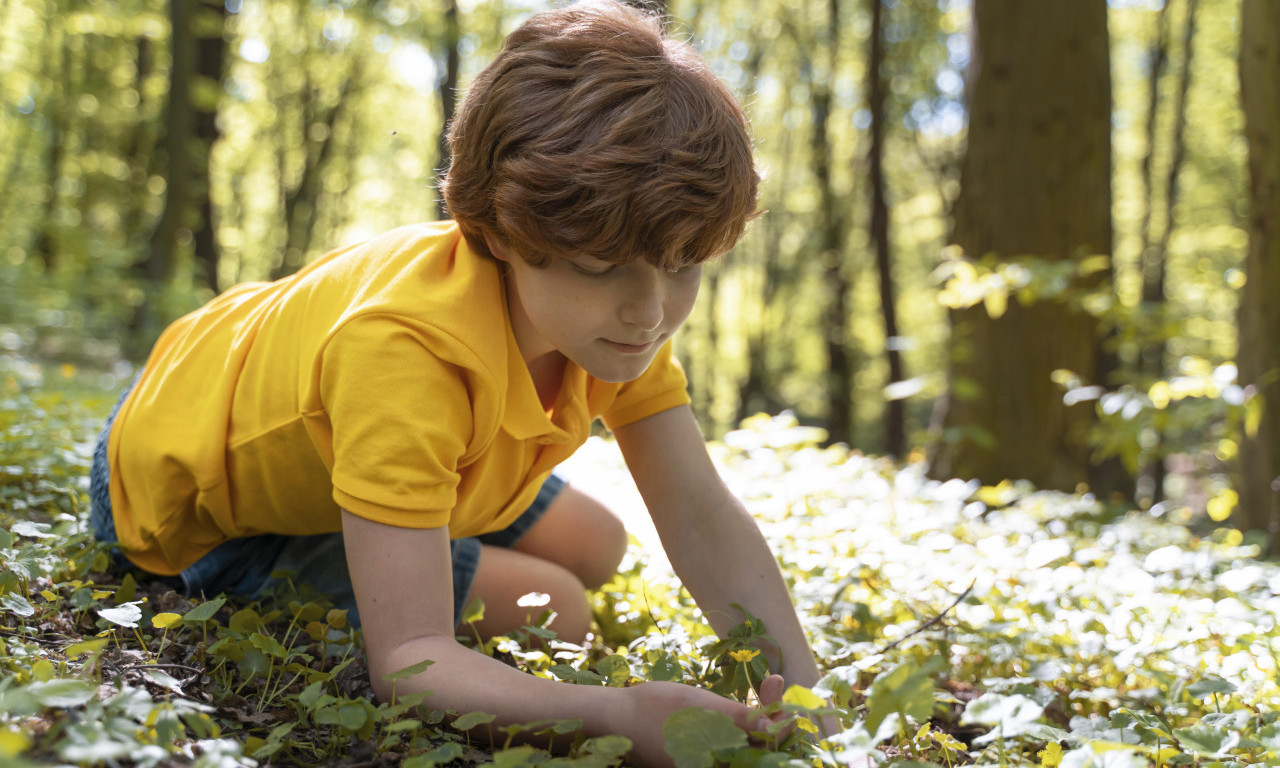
x=713, y=544
x=403, y=586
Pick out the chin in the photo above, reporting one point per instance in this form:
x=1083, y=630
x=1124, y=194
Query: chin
x=616, y=373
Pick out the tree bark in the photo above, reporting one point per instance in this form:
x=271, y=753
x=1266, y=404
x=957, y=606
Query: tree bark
x=1036, y=181
x=210, y=62
x=894, y=413
x=179, y=125
x=830, y=247
x=1259, y=312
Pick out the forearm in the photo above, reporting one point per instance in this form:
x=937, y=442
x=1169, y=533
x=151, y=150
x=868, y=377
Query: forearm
x=464, y=680
x=722, y=558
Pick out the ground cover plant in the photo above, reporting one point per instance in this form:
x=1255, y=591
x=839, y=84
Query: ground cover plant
x=959, y=625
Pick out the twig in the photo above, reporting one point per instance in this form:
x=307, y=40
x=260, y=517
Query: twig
x=184, y=667
x=930, y=622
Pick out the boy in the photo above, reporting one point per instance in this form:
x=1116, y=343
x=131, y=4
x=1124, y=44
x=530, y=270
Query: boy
x=349, y=421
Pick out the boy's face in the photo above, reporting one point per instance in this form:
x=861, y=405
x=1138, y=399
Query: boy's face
x=610, y=319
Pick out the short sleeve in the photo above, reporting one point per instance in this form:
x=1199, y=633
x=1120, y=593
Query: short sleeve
x=402, y=417
x=661, y=387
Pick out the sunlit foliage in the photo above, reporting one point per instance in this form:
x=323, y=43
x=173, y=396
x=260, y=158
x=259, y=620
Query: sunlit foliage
x=958, y=624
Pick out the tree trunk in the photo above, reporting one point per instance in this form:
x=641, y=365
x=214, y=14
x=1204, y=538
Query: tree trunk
x=179, y=126
x=1259, y=318
x=448, y=90
x=300, y=201
x=830, y=247
x=210, y=61
x=1155, y=249
x=1036, y=181
x=57, y=112
x=894, y=413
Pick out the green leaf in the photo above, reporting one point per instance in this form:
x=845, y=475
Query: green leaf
x=254, y=663
x=694, y=736
x=445, y=753
x=17, y=604
x=1008, y=716
x=204, y=611
x=804, y=698
x=473, y=612
x=514, y=757
x=409, y=671
x=615, y=670
x=838, y=685
x=610, y=746
x=1207, y=740
x=578, y=676
x=1269, y=737
x=311, y=694
x=245, y=620
x=127, y=615
x=61, y=693
x=905, y=689
x=352, y=716
x=665, y=667
x=32, y=530
x=268, y=645
x=128, y=589
x=275, y=741
x=1205, y=687
x=472, y=719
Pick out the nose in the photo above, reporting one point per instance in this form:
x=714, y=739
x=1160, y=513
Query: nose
x=642, y=304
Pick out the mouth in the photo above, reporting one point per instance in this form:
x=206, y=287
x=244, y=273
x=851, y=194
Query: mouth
x=631, y=349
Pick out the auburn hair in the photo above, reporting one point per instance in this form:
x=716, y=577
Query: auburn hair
x=594, y=133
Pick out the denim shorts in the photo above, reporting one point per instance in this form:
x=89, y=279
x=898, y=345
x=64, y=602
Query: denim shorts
x=245, y=566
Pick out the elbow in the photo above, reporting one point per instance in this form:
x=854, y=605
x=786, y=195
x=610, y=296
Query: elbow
x=406, y=667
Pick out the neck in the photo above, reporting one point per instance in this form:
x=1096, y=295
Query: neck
x=547, y=373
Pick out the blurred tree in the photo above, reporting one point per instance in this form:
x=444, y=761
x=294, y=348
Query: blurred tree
x=1155, y=246
x=1035, y=183
x=1259, y=313
x=894, y=413
x=832, y=234
x=56, y=63
x=190, y=125
x=448, y=91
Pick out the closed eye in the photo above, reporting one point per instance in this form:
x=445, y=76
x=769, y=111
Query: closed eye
x=593, y=270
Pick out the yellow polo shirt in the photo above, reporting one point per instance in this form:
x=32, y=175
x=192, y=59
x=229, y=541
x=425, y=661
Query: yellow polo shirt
x=383, y=379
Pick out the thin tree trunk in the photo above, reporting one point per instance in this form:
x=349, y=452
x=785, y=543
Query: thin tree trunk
x=1259, y=314
x=831, y=241
x=57, y=115
x=300, y=201
x=1152, y=479
x=894, y=413
x=448, y=92
x=179, y=130
x=210, y=58
x=1156, y=254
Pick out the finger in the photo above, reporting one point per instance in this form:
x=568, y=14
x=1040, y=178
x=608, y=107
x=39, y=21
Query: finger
x=771, y=690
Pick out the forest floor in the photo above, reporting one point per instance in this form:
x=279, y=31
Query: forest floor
x=958, y=624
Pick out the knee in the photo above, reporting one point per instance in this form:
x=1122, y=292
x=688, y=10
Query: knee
x=568, y=600
x=608, y=543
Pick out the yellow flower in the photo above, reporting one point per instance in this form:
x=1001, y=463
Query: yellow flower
x=744, y=655
x=1050, y=756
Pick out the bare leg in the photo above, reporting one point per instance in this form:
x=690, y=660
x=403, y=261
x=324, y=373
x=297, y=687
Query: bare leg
x=576, y=545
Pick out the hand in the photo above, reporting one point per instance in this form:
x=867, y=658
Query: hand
x=650, y=704
x=771, y=691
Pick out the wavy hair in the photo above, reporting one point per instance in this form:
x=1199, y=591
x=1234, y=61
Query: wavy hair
x=594, y=133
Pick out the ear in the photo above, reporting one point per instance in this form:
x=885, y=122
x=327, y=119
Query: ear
x=497, y=247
